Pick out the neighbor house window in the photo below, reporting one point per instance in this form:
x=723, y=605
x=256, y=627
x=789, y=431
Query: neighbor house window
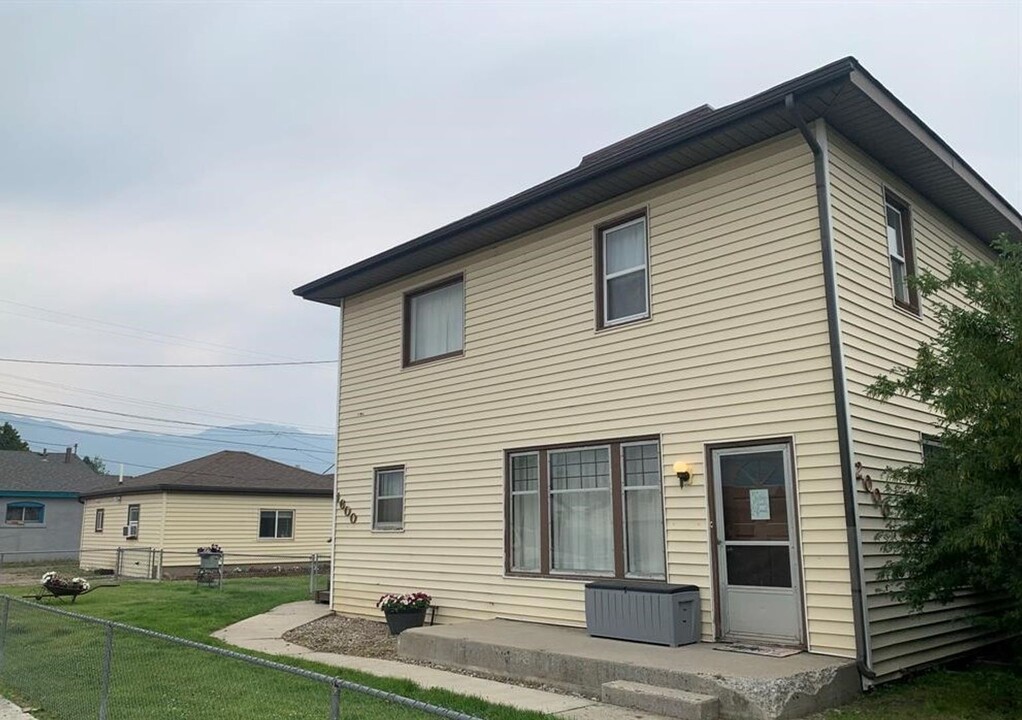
x=588, y=510
x=435, y=321
x=99, y=519
x=24, y=513
x=276, y=524
x=899, y=247
x=622, y=271
x=389, y=498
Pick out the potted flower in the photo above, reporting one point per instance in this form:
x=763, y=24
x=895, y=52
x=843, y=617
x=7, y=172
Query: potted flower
x=404, y=611
x=210, y=558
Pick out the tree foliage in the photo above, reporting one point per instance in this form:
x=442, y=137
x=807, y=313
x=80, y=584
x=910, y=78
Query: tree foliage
x=10, y=439
x=956, y=520
x=96, y=463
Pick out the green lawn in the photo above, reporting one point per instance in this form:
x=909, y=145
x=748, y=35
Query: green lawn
x=53, y=664
x=974, y=694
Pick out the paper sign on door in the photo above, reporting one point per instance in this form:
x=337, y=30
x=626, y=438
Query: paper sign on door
x=759, y=503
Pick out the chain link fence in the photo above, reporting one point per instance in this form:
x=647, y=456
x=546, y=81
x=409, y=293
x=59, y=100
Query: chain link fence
x=311, y=572
x=77, y=667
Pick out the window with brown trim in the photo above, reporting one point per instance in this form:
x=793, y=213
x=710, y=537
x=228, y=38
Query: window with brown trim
x=901, y=251
x=622, y=271
x=100, y=514
x=434, y=321
x=389, y=498
x=590, y=510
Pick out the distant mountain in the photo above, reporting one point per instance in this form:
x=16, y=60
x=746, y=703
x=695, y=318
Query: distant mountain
x=141, y=451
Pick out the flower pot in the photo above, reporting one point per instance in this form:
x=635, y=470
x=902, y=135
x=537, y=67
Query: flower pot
x=400, y=621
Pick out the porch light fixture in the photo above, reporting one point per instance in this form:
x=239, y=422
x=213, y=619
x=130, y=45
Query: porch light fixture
x=681, y=469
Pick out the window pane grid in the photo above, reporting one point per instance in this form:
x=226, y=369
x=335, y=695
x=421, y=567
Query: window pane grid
x=643, y=511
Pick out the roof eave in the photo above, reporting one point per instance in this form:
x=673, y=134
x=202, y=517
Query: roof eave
x=216, y=489
x=441, y=243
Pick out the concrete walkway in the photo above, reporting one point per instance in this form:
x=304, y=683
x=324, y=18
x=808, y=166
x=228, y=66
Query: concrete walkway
x=10, y=711
x=262, y=633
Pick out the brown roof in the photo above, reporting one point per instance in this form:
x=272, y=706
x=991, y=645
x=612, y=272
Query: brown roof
x=228, y=471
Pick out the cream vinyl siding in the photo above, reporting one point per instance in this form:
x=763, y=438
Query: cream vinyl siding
x=736, y=348
x=99, y=550
x=232, y=521
x=878, y=336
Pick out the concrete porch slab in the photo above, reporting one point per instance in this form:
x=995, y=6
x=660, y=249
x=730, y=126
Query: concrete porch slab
x=749, y=687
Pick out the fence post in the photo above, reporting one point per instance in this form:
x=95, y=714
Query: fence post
x=335, y=702
x=3, y=629
x=313, y=559
x=117, y=563
x=108, y=658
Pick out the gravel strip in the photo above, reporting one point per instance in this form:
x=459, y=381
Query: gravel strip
x=347, y=636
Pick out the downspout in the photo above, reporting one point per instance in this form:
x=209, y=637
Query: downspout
x=337, y=452
x=837, y=365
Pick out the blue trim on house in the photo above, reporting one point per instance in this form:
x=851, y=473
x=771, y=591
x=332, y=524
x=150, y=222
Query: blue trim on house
x=34, y=494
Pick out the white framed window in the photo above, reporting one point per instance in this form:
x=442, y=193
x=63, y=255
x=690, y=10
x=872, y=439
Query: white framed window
x=276, y=524
x=900, y=251
x=623, y=254
x=389, y=498
x=435, y=321
x=524, y=491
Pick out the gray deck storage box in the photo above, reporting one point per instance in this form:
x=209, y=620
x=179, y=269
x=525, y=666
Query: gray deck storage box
x=650, y=612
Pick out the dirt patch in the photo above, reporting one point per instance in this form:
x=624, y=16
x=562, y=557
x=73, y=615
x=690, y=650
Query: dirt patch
x=347, y=636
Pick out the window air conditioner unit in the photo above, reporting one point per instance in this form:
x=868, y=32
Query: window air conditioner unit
x=130, y=531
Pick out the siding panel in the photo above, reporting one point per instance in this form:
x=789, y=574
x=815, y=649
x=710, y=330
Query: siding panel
x=736, y=349
x=878, y=336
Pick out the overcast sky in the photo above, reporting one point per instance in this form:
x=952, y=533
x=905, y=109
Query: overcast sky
x=179, y=168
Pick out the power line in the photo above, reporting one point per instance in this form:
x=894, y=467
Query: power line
x=313, y=429
x=134, y=332
x=67, y=363
x=18, y=397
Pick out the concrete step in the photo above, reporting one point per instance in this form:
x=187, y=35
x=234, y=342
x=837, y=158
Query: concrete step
x=660, y=700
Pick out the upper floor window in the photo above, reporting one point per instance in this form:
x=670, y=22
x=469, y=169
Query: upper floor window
x=435, y=321
x=24, y=513
x=899, y=247
x=622, y=271
x=100, y=516
x=389, y=498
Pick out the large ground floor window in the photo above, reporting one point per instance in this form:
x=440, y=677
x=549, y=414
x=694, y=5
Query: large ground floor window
x=592, y=510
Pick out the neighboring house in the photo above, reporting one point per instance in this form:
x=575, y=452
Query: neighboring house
x=42, y=518
x=259, y=511
x=716, y=292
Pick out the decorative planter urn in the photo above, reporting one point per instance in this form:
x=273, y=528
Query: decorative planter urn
x=397, y=622
x=210, y=561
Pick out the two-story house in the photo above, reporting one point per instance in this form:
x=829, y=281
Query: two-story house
x=654, y=366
